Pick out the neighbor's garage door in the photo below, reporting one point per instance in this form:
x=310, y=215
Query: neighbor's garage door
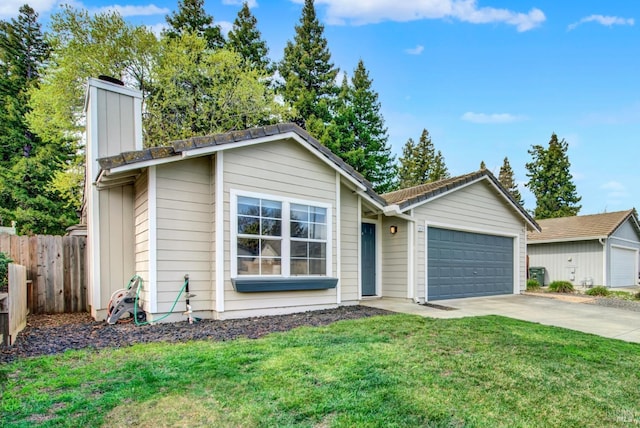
x=464, y=264
x=623, y=267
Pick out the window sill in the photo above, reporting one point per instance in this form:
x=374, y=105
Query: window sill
x=258, y=285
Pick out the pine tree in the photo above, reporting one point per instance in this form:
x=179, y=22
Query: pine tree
x=309, y=76
x=370, y=154
x=28, y=164
x=245, y=39
x=192, y=18
x=22, y=52
x=420, y=163
x=483, y=165
x=507, y=179
x=551, y=182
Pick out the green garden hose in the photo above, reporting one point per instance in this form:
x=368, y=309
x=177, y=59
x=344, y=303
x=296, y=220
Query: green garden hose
x=135, y=303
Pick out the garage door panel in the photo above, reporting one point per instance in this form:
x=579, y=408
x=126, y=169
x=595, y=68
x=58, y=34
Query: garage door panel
x=623, y=267
x=465, y=264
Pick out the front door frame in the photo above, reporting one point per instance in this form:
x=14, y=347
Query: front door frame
x=377, y=222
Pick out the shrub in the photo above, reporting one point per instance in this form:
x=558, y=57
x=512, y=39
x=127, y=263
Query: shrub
x=532, y=284
x=637, y=296
x=598, y=291
x=4, y=270
x=561, y=287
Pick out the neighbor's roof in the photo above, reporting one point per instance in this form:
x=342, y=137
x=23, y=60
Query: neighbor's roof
x=411, y=196
x=583, y=227
x=175, y=149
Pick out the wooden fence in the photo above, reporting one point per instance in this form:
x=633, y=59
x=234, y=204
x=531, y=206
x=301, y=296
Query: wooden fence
x=56, y=268
x=13, y=305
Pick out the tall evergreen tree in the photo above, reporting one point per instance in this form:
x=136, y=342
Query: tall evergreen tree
x=421, y=163
x=483, y=165
x=309, y=76
x=551, y=182
x=192, y=18
x=507, y=179
x=28, y=164
x=360, y=136
x=22, y=52
x=245, y=39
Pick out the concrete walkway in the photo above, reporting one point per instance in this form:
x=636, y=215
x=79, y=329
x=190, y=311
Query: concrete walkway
x=575, y=315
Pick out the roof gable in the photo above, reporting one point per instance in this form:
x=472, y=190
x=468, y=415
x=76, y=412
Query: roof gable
x=411, y=197
x=200, y=146
x=584, y=227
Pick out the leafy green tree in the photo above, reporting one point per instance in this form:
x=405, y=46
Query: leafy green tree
x=84, y=46
x=551, y=182
x=192, y=18
x=200, y=91
x=309, y=76
x=506, y=177
x=245, y=39
x=420, y=163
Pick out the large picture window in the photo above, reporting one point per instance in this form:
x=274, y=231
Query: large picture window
x=280, y=237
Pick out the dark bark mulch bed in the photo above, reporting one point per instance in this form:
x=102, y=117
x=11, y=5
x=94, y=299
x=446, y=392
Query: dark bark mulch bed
x=52, y=334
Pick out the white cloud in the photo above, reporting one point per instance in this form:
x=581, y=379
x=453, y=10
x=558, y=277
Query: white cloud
x=415, y=51
x=10, y=8
x=250, y=3
x=225, y=27
x=616, y=192
x=158, y=28
x=491, y=118
x=129, y=10
x=607, y=21
x=360, y=12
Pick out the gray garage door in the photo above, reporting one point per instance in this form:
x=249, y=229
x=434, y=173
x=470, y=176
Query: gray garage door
x=464, y=264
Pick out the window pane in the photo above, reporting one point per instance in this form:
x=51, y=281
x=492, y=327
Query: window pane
x=248, y=225
x=318, y=215
x=299, y=230
x=248, y=247
x=271, y=227
x=299, y=212
x=317, y=250
x=318, y=267
x=318, y=231
x=270, y=248
x=299, y=267
x=248, y=266
x=248, y=206
x=271, y=266
x=299, y=249
x=271, y=209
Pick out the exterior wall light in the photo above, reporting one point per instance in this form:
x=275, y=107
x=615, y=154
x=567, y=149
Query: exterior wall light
x=393, y=229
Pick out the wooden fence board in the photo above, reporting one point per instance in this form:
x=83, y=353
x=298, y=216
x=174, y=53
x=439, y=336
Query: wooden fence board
x=56, y=267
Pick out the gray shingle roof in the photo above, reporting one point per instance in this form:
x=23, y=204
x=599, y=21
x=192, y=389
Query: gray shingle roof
x=582, y=227
x=175, y=148
x=414, y=195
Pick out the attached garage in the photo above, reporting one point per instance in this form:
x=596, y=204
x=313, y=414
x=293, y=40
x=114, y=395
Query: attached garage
x=465, y=264
x=466, y=238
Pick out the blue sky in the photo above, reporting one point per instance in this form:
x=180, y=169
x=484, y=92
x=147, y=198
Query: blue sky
x=487, y=78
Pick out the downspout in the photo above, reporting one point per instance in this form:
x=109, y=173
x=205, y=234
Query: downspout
x=603, y=242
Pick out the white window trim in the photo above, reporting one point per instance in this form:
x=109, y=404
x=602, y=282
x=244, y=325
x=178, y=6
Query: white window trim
x=286, y=239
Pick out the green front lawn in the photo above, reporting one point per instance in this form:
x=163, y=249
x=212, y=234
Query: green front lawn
x=397, y=370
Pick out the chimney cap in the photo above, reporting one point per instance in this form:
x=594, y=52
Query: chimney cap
x=111, y=80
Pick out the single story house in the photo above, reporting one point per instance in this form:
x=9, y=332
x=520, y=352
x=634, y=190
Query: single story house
x=269, y=221
x=598, y=249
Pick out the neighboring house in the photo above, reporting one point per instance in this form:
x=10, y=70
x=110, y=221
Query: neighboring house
x=268, y=221
x=599, y=249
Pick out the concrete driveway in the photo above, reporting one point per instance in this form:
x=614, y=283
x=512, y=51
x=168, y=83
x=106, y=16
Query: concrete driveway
x=575, y=315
